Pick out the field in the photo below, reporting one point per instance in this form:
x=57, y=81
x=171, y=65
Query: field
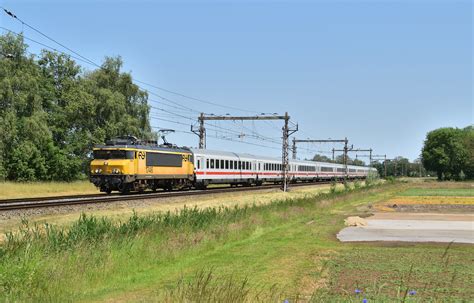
x=256, y=253
x=447, y=192
x=10, y=190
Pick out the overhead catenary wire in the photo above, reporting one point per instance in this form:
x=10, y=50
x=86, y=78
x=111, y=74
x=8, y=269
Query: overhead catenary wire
x=11, y=14
x=48, y=37
x=171, y=103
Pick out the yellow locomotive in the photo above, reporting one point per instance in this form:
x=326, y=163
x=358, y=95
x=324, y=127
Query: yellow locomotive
x=127, y=164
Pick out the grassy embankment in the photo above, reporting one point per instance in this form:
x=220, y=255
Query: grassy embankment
x=265, y=253
x=10, y=190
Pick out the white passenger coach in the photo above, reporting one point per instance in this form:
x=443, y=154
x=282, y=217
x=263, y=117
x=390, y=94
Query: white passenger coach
x=218, y=167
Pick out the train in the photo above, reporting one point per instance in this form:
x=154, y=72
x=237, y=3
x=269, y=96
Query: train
x=128, y=164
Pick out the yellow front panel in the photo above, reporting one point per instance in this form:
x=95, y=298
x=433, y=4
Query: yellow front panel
x=137, y=166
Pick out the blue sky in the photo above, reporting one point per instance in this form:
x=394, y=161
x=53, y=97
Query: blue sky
x=382, y=73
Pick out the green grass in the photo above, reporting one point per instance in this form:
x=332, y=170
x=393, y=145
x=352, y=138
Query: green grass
x=460, y=192
x=265, y=253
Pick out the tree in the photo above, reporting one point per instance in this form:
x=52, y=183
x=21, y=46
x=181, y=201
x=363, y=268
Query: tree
x=444, y=152
x=52, y=112
x=321, y=158
x=357, y=162
x=468, y=141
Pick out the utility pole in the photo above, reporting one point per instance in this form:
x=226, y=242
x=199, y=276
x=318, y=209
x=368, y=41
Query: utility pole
x=201, y=132
x=370, y=155
x=333, y=155
x=346, y=148
x=294, y=149
x=287, y=132
x=384, y=157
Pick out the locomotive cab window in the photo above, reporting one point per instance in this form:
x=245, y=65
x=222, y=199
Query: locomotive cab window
x=113, y=154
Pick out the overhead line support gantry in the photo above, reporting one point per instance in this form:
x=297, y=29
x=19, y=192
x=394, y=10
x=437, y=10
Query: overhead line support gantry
x=346, y=148
x=287, y=132
x=355, y=150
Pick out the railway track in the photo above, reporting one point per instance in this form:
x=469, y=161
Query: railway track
x=30, y=203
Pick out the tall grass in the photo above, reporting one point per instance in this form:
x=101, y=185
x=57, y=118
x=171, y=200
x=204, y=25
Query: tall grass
x=89, y=238
x=90, y=229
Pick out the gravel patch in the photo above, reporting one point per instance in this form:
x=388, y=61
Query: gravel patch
x=416, y=229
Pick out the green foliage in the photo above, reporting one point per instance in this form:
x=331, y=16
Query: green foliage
x=321, y=158
x=357, y=185
x=333, y=187
x=445, y=151
x=52, y=112
x=468, y=142
x=347, y=186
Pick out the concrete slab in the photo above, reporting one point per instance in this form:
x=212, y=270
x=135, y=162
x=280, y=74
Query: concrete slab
x=410, y=231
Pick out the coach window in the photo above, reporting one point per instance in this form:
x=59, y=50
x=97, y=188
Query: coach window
x=222, y=164
x=212, y=163
x=199, y=164
x=247, y=165
x=231, y=164
x=226, y=164
x=217, y=163
x=207, y=163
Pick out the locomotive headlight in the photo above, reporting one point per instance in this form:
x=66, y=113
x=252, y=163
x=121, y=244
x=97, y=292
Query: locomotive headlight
x=116, y=171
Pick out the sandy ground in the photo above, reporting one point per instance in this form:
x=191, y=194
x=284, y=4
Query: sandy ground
x=413, y=227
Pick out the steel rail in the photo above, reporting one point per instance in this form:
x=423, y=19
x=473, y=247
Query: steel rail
x=42, y=202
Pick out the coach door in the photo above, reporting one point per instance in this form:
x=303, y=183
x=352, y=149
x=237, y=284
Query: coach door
x=200, y=164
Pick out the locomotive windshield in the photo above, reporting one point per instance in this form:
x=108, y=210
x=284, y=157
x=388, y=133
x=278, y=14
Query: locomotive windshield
x=113, y=154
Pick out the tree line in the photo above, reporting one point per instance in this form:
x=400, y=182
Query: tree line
x=52, y=112
x=447, y=153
